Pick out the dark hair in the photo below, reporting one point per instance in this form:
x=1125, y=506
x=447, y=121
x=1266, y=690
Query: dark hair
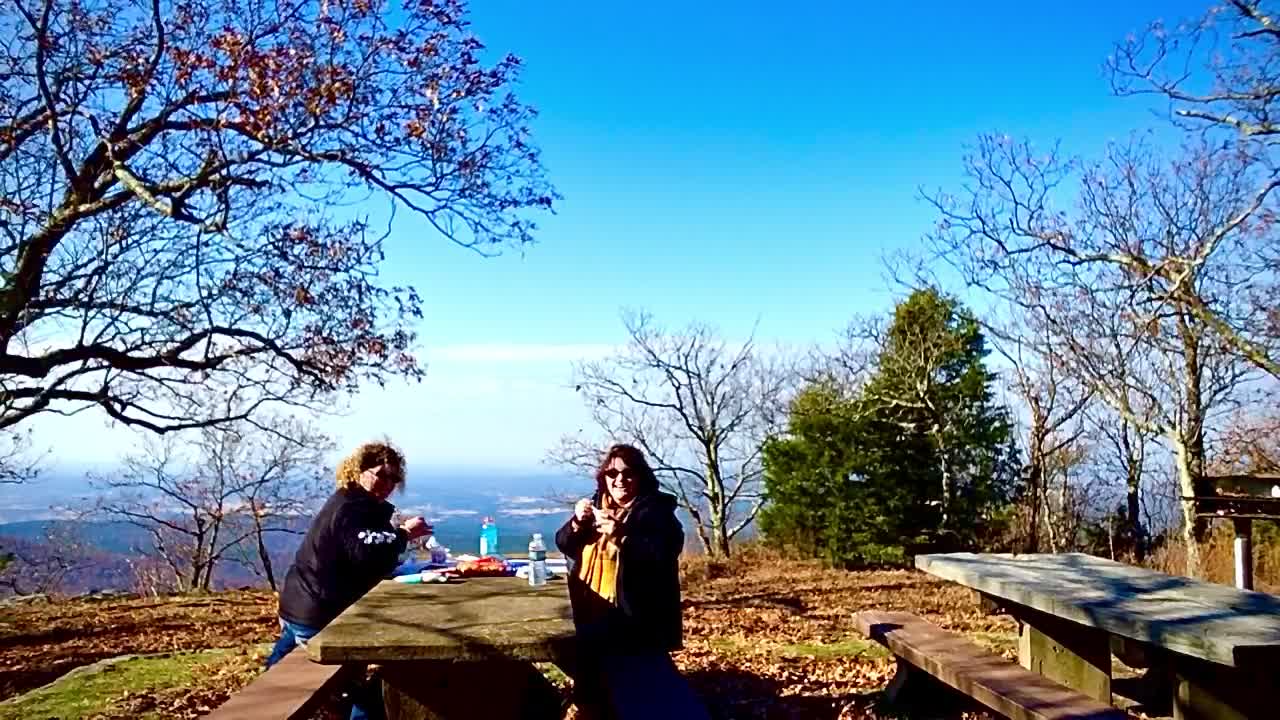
x=646, y=481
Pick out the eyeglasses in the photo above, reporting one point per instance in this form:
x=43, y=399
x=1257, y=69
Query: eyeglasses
x=615, y=473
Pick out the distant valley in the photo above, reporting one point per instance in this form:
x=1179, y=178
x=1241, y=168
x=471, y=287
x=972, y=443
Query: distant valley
x=455, y=505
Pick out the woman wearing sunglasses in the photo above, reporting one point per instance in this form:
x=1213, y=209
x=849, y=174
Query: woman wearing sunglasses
x=350, y=546
x=625, y=545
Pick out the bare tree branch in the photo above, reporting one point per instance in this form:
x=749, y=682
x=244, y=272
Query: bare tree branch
x=699, y=409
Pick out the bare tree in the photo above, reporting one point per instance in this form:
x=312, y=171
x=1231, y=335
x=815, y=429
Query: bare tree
x=42, y=566
x=219, y=494
x=1068, y=495
x=279, y=470
x=1123, y=451
x=1053, y=404
x=699, y=407
x=169, y=177
x=18, y=463
x=1220, y=75
x=1110, y=281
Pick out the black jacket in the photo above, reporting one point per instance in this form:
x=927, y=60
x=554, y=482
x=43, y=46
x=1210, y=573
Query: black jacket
x=647, y=615
x=350, y=546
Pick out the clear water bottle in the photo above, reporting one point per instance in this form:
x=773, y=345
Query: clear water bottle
x=537, y=561
x=488, y=537
x=439, y=554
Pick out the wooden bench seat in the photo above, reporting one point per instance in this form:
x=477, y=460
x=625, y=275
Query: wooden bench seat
x=999, y=684
x=291, y=690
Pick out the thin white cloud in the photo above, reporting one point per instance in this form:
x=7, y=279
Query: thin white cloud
x=507, y=352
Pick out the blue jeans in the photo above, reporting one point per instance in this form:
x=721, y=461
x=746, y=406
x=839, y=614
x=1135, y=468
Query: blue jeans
x=366, y=703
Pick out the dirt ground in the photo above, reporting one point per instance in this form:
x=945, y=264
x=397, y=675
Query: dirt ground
x=765, y=638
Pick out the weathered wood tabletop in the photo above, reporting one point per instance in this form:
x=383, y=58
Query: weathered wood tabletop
x=472, y=619
x=444, y=648
x=1216, y=647
x=1204, y=620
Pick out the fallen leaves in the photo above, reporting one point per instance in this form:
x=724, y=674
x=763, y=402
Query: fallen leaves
x=40, y=642
x=767, y=639
x=776, y=639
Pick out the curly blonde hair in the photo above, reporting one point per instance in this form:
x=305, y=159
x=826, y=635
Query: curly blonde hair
x=370, y=455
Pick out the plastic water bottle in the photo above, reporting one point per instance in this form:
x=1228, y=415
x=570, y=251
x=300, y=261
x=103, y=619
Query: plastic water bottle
x=537, y=561
x=488, y=537
x=439, y=554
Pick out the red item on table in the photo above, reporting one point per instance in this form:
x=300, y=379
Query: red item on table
x=482, y=567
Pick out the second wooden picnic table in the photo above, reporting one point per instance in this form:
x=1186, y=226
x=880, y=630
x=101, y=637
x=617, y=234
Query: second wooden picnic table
x=1217, y=647
x=462, y=649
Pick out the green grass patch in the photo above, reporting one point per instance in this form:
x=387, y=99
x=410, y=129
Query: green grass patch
x=995, y=642
x=851, y=648
x=82, y=693
x=829, y=651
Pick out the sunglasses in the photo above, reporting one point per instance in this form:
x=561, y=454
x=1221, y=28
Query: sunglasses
x=614, y=474
x=388, y=474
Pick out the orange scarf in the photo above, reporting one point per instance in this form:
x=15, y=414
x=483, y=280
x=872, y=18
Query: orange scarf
x=599, y=567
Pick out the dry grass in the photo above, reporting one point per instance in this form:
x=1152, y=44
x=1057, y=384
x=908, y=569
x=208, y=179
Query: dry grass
x=1218, y=559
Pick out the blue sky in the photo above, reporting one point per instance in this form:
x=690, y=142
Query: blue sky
x=726, y=162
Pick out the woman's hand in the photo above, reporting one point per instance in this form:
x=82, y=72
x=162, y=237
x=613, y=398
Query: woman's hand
x=417, y=527
x=582, y=510
x=606, y=524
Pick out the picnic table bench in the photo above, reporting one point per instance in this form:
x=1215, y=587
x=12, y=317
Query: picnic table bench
x=291, y=690
x=1217, y=647
x=1003, y=686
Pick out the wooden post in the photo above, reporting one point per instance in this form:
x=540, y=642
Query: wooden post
x=1076, y=656
x=1244, y=553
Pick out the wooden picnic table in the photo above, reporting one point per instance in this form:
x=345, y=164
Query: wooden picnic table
x=1218, y=647
x=462, y=649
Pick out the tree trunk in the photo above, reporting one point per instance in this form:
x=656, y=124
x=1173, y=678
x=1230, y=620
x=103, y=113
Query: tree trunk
x=1048, y=515
x=1137, y=534
x=197, y=557
x=262, y=551
x=266, y=565
x=1191, y=536
x=1191, y=453
x=1035, y=478
x=1035, y=481
x=1133, y=467
x=207, y=581
x=947, y=490
x=718, y=500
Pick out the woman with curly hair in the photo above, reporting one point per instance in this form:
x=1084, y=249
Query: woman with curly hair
x=350, y=546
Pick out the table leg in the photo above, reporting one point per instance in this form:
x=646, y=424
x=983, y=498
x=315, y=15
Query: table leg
x=1066, y=652
x=442, y=690
x=1202, y=691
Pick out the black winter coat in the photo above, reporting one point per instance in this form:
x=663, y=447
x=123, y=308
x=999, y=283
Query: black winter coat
x=647, y=615
x=350, y=546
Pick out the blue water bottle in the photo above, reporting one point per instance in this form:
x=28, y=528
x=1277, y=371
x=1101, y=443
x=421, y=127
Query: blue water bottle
x=488, y=537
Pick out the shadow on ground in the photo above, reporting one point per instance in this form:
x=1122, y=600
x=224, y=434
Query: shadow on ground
x=738, y=695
